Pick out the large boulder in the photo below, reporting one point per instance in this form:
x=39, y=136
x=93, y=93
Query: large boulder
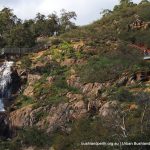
x=109, y=109
x=21, y=117
x=92, y=89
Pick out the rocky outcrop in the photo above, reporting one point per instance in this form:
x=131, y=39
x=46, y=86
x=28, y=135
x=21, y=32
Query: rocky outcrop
x=5, y=128
x=60, y=115
x=109, y=109
x=94, y=105
x=90, y=50
x=122, y=81
x=92, y=89
x=72, y=97
x=32, y=78
x=22, y=117
x=130, y=79
x=74, y=81
x=68, y=62
x=88, y=89
x=23, y=76
x=78, y=45
x=57, y=116
x=16, y=80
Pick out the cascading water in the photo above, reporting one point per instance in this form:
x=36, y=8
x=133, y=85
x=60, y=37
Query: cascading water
x=5, y=81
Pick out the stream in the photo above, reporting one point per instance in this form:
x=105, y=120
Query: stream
x=5, y=83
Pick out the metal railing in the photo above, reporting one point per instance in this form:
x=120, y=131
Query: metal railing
x=23, y=50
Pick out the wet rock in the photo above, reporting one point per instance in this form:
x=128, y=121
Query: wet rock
x=16, y=81
x=5, y=128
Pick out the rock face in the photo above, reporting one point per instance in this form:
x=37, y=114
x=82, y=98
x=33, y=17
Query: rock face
x=109, y=109
x=16, y=81
x=92, y=89
x=73, y=97
x=68, y=62
x=22, y=117
x=5, y=130
x=74, y=81
x=32, y=78
x=94, y=106
x=122, y=81
x=23, y=76
x=89, y=89
x=57, y=116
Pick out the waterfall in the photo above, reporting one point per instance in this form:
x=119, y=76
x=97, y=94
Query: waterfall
x=5, y=81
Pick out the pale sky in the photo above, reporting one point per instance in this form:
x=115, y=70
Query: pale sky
x=87, y=10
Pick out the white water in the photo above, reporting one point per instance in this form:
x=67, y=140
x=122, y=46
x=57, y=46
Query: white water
x=5, y=80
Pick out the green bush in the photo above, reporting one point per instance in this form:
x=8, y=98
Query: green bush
x=23, y=100
x=26, y=62
x=123, y=95
x=110, y=66
x=35, y=137
x=56, y=41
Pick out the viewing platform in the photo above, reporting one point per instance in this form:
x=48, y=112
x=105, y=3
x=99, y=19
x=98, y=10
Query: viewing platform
x=22, y=51
x=147, y=57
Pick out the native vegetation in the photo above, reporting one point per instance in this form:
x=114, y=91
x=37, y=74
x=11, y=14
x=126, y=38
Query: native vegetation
x=91, y=70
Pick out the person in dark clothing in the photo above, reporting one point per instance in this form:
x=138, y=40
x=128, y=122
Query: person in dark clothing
x=145, y=52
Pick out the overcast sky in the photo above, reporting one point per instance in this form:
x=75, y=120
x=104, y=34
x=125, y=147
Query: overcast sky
x=87, y=10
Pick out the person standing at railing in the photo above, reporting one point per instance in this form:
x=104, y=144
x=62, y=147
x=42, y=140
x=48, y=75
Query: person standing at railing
x=146, y=53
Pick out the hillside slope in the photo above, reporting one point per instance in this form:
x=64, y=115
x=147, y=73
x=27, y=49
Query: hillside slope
x=90, y=86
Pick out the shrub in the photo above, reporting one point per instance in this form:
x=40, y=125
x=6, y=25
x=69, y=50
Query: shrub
x=35, y=137
x=123, y=95
x=23, y=100
x=56, y=41
x=111, y=65
x=26, y=62
x=143, y=98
